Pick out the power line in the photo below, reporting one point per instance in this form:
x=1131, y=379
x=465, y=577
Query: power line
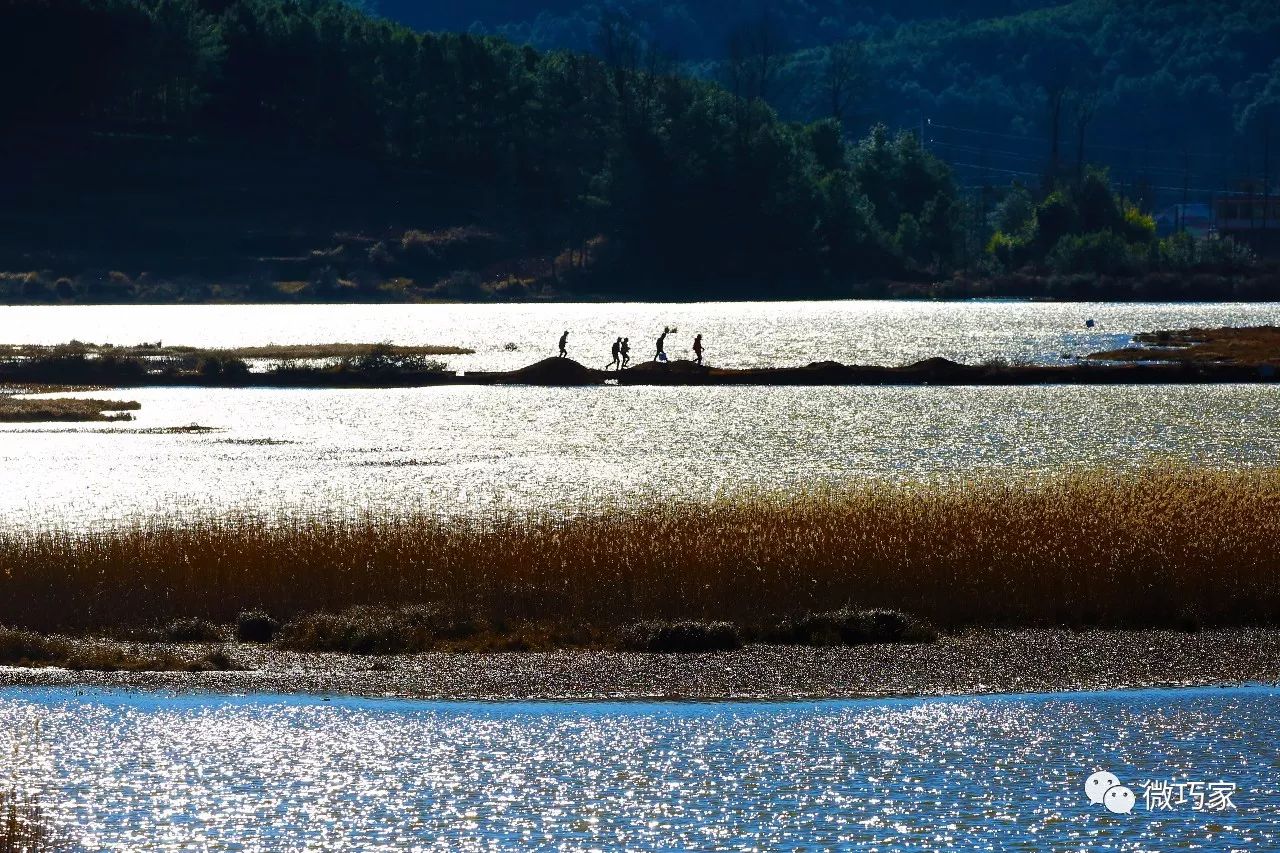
x=969, y=149
x=972, y=149
x=1044, y=140
x=991, y=169
x=1209, y=191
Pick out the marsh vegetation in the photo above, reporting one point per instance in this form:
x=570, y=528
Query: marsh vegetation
x=67, y=409
x=1251, y=346
x=77, y=363
x=30, y=649
x=159, y=352
x=1168, y=547
x=23, y=825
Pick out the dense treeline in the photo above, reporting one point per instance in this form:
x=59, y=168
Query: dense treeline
x=1083, y=241
x=305, y=149
x=671, y=178
x=688, y=29
x=1169, y=76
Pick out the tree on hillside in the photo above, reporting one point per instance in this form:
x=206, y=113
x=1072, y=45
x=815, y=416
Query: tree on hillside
x=844, y=72
x=1260, y=118
x=1059, y=63
x=755, y=54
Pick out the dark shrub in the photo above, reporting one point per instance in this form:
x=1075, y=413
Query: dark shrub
x=192, y=631
x=225, y=368
x=216, y=661
x=375, y=630
x=1189, y=621
x=854, y=627
x=686, y=636
x=460, y=284
x=24, y=648
x=255, y=626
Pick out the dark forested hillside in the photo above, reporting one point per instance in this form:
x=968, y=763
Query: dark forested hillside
x=305, y=149
x=1165, y=92
x=305, y=140
x=687, y=29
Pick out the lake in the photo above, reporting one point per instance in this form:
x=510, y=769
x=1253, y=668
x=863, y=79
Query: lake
x=484, y=449
x=124, y=770
x=736, y=334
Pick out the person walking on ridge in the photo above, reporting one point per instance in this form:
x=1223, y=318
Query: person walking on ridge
x=661, y=354
x=697, y=348
x=564, y=343
x=625, y=349
x=617, y=349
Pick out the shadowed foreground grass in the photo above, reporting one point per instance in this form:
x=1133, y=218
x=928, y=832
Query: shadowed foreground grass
x=29, y=649
x=23, y=826
x=1171, y=547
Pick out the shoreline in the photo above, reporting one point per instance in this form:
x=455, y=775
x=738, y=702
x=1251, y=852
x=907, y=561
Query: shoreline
x=972, y=662
x=565, y=372
x=1189, y=356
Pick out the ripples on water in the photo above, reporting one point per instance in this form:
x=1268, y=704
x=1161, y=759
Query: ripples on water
x=130, y=771
x=135, y=770
x=462, y=450
x=737, y=334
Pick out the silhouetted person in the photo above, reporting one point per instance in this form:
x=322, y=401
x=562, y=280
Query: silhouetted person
x=697, y=349
x=661, y=354
x=564, y=342
x=617, y=354
x=625, y=349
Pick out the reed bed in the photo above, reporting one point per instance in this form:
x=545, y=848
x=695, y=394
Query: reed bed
x=1166, y=547
x=73, y=409
x=272, y=351
x=23, y=826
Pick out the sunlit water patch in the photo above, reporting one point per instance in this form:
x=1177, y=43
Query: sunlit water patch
x=132, y=770
x=736, y=334
x=482, y=449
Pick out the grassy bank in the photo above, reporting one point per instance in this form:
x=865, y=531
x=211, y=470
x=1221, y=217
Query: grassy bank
x=66, y=410
x=27, y=648
x=160, y=353
x=1172, y=547
x=301, y=365
x=1251, y=346
x=380, y=371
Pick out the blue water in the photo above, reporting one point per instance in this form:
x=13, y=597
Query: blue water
x=124, y=770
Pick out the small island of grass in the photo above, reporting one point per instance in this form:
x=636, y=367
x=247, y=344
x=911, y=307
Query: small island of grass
x=1249, y=346
x=1193, y=356
x=64, y=409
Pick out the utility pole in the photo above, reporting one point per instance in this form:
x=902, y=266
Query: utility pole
x=1253, y=208
x=1266, y=171
x=1186, y=178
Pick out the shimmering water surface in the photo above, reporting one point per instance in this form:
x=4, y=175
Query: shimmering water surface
x=161, y=772
x=736, y=334
x=468, y=449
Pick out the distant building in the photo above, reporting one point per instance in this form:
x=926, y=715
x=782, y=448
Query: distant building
x=1251, y=218
x=1195, y=219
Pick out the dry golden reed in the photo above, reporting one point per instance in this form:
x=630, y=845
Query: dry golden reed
x=23, y=827
x=1162, y=547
